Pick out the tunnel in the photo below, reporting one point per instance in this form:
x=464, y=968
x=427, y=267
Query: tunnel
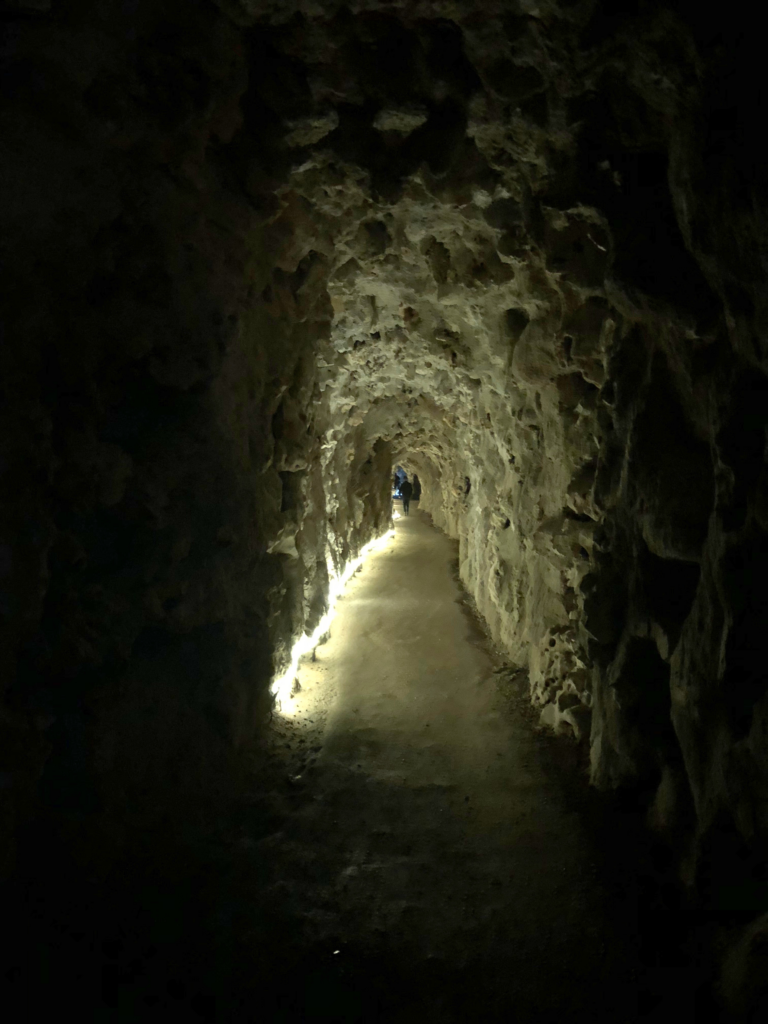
x=270, y=748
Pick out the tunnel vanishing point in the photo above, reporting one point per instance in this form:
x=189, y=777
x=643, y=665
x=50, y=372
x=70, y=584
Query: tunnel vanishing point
x=256, y=254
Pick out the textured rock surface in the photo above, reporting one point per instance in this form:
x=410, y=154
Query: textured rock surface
x=255, y=251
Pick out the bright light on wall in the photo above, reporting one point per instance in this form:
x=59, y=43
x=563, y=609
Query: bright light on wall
x=282, y=686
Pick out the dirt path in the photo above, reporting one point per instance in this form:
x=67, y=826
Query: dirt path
x=430, y=859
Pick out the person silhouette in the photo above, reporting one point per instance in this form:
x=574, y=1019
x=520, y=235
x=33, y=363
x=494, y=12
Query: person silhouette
x=406, y=490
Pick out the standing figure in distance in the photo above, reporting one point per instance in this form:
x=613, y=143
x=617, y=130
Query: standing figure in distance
x=406, y=490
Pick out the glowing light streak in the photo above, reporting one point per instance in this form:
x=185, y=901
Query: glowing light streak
x=282, y=686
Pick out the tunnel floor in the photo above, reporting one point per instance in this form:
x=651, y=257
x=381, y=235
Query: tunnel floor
x=431, y=858
x=408, y=848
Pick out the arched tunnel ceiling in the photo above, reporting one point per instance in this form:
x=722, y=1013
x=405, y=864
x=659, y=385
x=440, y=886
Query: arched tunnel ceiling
x=435, y=182
x=452, y=176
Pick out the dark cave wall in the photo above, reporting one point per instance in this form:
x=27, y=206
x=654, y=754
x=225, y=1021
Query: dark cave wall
x=176, y=416
x=677, y=677
x=160, y=452
x=139, y=577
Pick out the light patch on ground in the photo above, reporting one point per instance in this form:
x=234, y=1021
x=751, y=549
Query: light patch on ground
x=284, y=686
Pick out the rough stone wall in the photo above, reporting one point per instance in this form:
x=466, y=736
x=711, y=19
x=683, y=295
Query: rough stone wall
x=256, y=250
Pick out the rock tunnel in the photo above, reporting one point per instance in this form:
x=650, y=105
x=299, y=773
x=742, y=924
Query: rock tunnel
x=255, y=256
